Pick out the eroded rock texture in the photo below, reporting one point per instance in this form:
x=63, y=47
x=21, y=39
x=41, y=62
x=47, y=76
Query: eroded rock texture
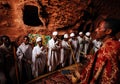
x=21, y=17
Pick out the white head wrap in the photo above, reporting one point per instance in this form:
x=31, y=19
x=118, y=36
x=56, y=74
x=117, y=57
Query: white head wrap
x=87, y=34
x=65, y=35
x=38, y=39
x=72, y=35
x=55, y=33
x=80, y=33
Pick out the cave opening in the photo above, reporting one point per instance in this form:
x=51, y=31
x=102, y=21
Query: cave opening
x=30, y=16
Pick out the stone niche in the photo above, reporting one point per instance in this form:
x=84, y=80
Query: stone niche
x=30, y=16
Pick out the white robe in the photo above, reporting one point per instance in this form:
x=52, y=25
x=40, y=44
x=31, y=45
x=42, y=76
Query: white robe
x=26, y=51
x=81, y=40
x=53, y=57
x=39, y=63
x=96, y=45
x=65, y=53
x=87, y=44
x=75, y=46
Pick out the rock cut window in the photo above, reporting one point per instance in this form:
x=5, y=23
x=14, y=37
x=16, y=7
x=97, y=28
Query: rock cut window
x=30, y=16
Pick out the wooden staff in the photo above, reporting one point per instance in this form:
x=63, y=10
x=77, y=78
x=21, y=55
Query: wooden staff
x=73, y=56
x=16, y=66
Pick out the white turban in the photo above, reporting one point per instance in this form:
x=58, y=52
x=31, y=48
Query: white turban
x=72, y=35
x=87, y=34
x=38, y=39
x=65, y=35
x=80, y=33
x=55, y=33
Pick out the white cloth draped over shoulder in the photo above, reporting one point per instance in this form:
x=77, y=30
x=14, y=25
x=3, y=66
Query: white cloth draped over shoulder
x=65, y=52
x=80, y=39
x=96, y=45
x=87, y=44
x=25, y=50
x=39, y=60
x=81, y=45
x=53, y=57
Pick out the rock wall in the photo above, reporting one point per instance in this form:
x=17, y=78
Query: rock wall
x=21, y=17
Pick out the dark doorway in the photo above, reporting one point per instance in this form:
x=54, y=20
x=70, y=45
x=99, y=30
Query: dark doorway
x=30, y=16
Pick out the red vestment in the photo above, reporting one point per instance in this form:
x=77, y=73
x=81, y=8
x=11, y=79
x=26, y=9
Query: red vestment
x=104, y=66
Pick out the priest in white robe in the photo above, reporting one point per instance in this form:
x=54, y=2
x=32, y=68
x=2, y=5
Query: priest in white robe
x=53, y=52
x=24, y=54
x=38, y=58
x=65, y=51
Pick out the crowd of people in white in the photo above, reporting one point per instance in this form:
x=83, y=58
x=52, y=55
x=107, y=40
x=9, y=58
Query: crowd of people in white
x=58, y=53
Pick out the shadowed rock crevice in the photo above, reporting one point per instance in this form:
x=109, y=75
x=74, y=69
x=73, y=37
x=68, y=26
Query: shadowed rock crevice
x=30, y=16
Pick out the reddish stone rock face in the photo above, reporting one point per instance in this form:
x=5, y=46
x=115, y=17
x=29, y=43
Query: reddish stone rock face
x=21, y=17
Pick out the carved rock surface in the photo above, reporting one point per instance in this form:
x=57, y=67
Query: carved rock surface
x=21, y=17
